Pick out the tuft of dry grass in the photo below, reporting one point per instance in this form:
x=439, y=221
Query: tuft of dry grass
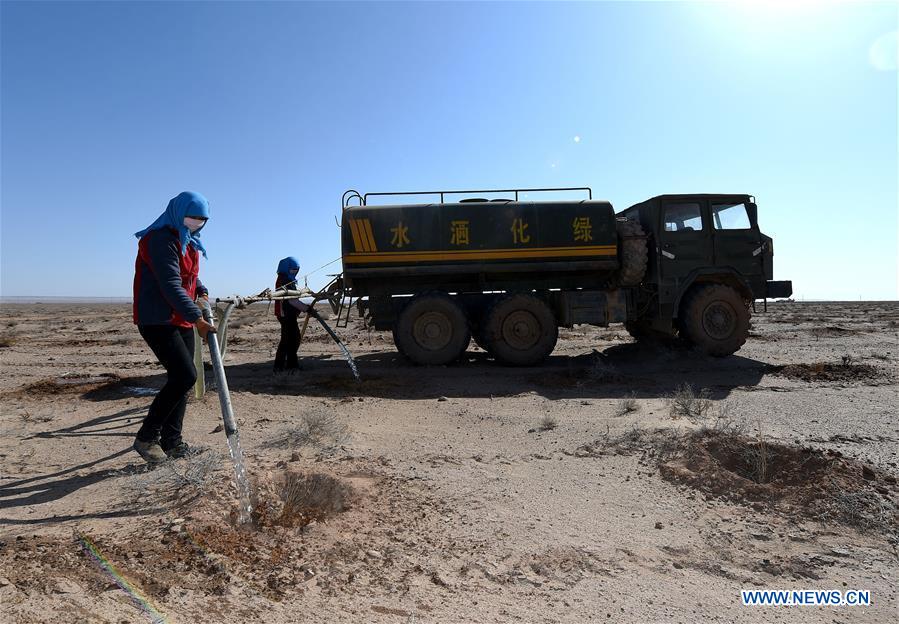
x=627, y=405
x=548, y=423
x=317, y=429
x=7, y=340
x=756, y=456
x=686, y=402
x=601, y=370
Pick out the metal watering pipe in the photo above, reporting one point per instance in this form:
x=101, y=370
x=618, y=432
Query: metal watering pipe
x=218, y=368
x=240, y=473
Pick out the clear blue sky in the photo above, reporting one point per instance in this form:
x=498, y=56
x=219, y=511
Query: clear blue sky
x=272, y=110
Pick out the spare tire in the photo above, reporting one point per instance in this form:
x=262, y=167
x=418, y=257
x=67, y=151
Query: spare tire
x=633, y=253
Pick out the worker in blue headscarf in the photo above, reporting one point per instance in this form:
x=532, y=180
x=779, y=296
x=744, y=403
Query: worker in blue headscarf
x=287, y=311
x=166, y=283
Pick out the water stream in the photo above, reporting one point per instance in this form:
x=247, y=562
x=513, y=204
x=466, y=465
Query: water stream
x=349, y=360
x=346, y=352
x=240, y=479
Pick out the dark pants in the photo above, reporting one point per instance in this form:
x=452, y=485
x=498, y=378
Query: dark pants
x=174, y=348
x=286, y=355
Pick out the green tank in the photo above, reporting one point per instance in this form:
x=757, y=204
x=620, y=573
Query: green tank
x=476, y=242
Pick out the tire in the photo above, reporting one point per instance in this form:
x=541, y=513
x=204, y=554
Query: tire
x=715, y=318
x=633, y=254
x=520, y=330
x=432, y=329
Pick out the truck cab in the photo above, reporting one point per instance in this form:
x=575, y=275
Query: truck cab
x=696, y=241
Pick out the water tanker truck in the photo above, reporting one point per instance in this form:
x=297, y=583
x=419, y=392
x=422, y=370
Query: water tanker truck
x=508, y=272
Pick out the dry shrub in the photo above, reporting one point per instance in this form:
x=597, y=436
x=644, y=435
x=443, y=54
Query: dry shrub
x=723, y=422
x=312, y=497
x=627, y=405
x=688, y=403
x=658, y=444
x=317, y=429
x=7, y=340
x=864, y=510
x=548, y=422
x=601, y=370
x=177, y=480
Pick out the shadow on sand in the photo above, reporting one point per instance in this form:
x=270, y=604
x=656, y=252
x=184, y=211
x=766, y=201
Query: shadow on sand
x=101, y=426
x=46, y=488
x=621, y=370
x=53, y=486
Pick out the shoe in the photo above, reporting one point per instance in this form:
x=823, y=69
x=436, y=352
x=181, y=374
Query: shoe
x=150, y=451
x=183, y=449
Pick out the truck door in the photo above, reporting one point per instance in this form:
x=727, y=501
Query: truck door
x=737, y=242
x=685, y=243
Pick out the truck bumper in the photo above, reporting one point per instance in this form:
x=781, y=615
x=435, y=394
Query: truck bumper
x=778, y=290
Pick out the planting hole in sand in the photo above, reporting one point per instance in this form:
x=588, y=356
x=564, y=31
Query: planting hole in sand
x=796, y=481
x=800, y=481
x=764, y=462
x=846, y=370
x=71, y=383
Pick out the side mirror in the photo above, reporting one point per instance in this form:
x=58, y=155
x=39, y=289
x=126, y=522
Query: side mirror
x=753, y=212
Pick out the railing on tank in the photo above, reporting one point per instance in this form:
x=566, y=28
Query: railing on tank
x=351, y=194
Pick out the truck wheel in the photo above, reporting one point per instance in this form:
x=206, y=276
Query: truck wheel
x=432, y=329
x=633, y=255
x=521, y=330
x=716, y=319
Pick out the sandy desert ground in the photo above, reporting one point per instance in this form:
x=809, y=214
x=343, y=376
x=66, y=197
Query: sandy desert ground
x=575, y=491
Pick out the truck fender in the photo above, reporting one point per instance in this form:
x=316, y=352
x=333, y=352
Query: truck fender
x=717, y=275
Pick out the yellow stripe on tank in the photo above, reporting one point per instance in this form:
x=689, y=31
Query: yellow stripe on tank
x=480, y=254
x=357, y=240
x=366, y=226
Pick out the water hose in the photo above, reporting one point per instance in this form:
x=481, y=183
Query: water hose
x=346, y=352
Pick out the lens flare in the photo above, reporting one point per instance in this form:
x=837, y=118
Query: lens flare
x=91, y=550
